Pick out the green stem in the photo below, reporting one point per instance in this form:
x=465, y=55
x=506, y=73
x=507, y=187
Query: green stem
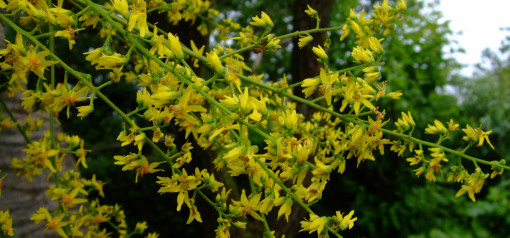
x=211, y=203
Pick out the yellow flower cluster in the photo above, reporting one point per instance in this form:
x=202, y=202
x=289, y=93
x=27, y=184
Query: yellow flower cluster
x=251, y=126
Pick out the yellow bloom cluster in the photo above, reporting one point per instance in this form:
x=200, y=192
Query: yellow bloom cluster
x=250, y=126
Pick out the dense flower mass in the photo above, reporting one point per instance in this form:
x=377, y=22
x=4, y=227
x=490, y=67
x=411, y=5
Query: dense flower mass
x=249, y=125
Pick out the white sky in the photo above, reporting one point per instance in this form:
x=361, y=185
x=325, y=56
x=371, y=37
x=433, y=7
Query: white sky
x=480, y=23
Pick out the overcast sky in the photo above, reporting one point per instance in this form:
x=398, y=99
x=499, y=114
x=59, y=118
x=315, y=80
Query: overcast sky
x=480, y=23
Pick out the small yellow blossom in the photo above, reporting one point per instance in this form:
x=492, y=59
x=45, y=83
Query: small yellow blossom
x=476, y=136
x=121, y=6
x=140, y=227
x=417, y=158
x=311, y=12
x=53, y=223
x=310, y=85
x=304, y=40
x=437, y=128
x=193, y=214
x=362, y=56
x=175, y=46
x=264, y=21
x=323, y=57
x=111, y=61
x=215, y=62
x=495, y=169
x=36, y=62
x=6, y=223
x=402, y=5
x=84, y=111
x=138, y=15
x=286, y=205
x=452, y=126
x=375, y=45
x=197, y=51
x=316, y=223
x=345, y=222
x=473, y=185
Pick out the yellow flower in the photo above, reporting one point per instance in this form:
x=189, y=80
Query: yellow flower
x=111, y=61
x=53, y=223
x=121, y=6
x=402, y=5
x=394, y=95
x=345, y=32
x=163, y=97
x=144, y=167
x=179, y=184
x=327, y=82
x=175, y=46
x=304, y=40
x=90, y=19
x=94, y=55
x=362, y=56
x=311, y=12
x=248, y=206
x=286, y=205
x=417, y=158
x=36, y=62
x=316, y=223
x=152, y=235
x=157, y=135
x=438, y=127
x=476, y=136
x=356, y=28
x=263, y=21
x=452, y=126
x=69, y=34
x=6, y=123
x=458, y=174
x=84, y=111
x=345, y=221
x=140, y=227
x=473, y=185
x=310, y=85
x=193, y=214
x=322, y=171
x=375, y=45
x=6, y=223
x=495, y=170
x=215, y=62
x=323, y=57
x=406, y=122
x=138, y=14
x=198, y=51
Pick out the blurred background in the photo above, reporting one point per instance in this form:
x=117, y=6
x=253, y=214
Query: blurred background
x=441, y=76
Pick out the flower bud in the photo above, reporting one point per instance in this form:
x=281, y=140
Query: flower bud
x=175, y=46
x=323, y=57
x=84, y=111
x=304, y=40
x=215, y=62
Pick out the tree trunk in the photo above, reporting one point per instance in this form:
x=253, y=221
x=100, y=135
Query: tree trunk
x=304, y=61
x=304, y=65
